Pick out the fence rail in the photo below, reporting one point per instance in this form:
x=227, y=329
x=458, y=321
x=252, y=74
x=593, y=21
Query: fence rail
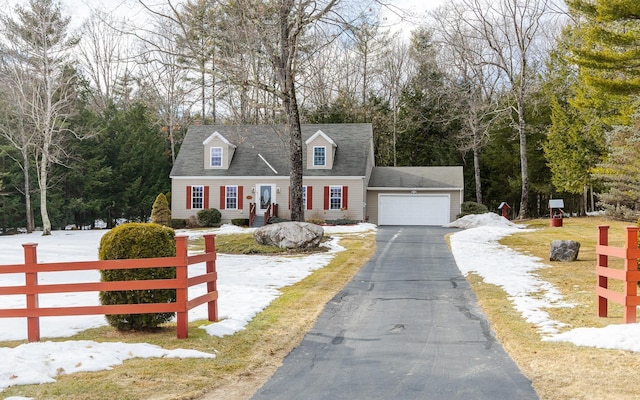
x=629, y=275
x=181, y=283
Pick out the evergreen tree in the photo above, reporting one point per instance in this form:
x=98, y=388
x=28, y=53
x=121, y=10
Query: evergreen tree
x=575, y=139
x=160, y=213
x=609, y=47
x=425, y=133
x=137, y=153
x=621, y=172
x=606, y=47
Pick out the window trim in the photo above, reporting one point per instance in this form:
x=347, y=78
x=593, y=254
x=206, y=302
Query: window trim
x=333, y=189
x=316, y=157
x=234, y=197
x=197, y=193
x=211, y=155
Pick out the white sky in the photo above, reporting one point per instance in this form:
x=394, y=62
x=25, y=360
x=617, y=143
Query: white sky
x=247, y=284
x=412, y=10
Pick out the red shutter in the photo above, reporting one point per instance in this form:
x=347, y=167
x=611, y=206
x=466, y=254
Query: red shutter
x=223, y=194
x=205, y=203
x=240, y=197
x=326, y=197
x=309, y=198
x=289, y=200
x=188, y=197
x=345, y=197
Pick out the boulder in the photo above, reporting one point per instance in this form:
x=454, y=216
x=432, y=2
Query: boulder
x=564, y=250
x=290, y=235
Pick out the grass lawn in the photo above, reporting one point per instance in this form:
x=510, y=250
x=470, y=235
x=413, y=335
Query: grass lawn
x=563, y=370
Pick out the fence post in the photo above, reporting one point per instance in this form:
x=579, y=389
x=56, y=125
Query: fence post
x=630, y=264
x=31, y=281
x=212, y=286
x=603, y=261
x=182, y=320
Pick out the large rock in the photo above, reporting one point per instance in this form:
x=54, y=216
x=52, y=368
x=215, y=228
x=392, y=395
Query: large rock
x=290, y=235
x=564, y=250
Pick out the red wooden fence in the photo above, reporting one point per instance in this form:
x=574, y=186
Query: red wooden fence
x=181, y=284
x=629, y=275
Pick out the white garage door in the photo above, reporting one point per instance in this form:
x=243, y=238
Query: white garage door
x=415, y=209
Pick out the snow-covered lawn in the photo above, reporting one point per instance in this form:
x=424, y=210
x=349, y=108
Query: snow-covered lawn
x=476, y=249
x=247, y=284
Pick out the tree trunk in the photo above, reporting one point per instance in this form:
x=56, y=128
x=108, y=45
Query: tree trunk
x=27, y=190
x=290, y=102
x=524, y=168
x=295, y=148
x=476, y=173
x=46, y=223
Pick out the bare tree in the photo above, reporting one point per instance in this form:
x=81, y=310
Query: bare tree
x=278, y=27
x=102, y=54
x=164, y=80
x=473, y=82
x=14, y=126
x=396, y=68
x=510, y=31
x=39, y=46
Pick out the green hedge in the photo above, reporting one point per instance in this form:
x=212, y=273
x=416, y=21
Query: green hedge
x=240, y=221
x=471, y=207
x=209, y=217
x=138, y=240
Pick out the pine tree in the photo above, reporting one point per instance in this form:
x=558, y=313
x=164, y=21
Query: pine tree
x=160, y=213
x=621, y=172
x=608, y=50
x=572, y=149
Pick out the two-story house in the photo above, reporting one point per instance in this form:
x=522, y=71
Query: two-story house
x=243, y=171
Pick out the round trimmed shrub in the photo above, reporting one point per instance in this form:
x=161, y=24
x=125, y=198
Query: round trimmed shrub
x=138, y=240
x=471, y=207
x=209, y=217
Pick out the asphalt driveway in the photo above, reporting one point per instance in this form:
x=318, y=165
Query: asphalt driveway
x=406, y=327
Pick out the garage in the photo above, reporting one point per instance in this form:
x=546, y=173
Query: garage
x=414, y=209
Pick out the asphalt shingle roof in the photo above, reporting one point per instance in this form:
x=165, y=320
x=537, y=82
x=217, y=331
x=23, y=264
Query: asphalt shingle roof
x=417, y=177
x=272, y=143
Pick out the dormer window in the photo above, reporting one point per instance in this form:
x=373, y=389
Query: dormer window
x=217, y=152
x=320, y=151
x=216, y=156
x=319, y=156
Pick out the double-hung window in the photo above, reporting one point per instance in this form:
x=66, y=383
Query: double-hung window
x=335, y=197
x=197, y=197
x=319, y=156
x=216, y=156
x=231, y=197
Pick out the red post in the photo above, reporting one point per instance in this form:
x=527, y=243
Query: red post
x=603, y=261
x=630, y=264
x=182, y=323
x=210, y=247
x=31, y=282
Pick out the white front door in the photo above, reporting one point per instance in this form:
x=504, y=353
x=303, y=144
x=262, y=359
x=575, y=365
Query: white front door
x=266, y=197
